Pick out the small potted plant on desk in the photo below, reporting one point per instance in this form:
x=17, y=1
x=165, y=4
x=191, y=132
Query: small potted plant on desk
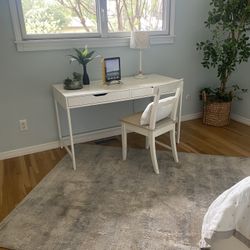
x=228, y=47
x=75, y=83
x=83, y=57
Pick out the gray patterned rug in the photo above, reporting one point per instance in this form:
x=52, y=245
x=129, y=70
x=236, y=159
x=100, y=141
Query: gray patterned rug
x=112, y=204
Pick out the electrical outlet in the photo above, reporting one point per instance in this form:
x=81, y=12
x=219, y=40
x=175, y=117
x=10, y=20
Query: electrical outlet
x=23, y=125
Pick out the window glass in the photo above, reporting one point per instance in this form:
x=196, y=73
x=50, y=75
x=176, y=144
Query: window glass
x=59, y=16
x=128, y=15
x=63, y=24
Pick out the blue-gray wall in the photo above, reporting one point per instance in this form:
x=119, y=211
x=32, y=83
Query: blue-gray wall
x=242, y=77
x=26, y=78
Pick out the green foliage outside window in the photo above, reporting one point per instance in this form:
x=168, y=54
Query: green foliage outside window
x=76, y=16
x=45, y=20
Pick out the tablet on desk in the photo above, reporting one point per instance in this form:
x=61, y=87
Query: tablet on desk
x=112, y=69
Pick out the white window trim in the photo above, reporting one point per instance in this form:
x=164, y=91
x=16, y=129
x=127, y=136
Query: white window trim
x=78, y=42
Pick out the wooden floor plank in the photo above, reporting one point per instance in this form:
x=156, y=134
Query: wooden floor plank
x=20, y=175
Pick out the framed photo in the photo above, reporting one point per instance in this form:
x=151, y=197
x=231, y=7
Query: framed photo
x=112, y=69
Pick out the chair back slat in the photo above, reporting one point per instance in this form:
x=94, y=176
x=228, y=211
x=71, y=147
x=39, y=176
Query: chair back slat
x=155, y=105
x=173, y=115
x=153, y=113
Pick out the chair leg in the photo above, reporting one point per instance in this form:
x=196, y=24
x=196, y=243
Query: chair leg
x=173, y=145
x=124, y=142
x=153, y=153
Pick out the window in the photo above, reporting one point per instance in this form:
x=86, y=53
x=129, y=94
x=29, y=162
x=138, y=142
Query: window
x=58, y=16
x=125, y=16
x=59, y=24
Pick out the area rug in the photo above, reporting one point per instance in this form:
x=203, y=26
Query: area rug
x=108, y=203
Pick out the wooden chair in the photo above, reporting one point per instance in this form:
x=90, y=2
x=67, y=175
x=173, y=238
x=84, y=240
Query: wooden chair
x=159, y=117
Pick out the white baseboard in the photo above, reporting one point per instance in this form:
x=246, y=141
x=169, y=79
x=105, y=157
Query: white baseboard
x=28, y=150
x=95, y=135
x=191, y=117
x=234, y=117
x=80, y=138
x=240, y=119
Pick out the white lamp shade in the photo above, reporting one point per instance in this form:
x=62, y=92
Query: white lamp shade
x=139, y=40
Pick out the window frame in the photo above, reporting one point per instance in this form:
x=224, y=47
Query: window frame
x=102, y=38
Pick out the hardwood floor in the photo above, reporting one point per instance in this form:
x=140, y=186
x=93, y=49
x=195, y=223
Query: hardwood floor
x=233, y=140
x=19, y=175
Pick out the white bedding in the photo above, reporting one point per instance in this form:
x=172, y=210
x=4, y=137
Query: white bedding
x=228, y=215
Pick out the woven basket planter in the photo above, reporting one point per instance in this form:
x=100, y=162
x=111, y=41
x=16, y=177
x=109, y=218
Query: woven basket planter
x=216, y=113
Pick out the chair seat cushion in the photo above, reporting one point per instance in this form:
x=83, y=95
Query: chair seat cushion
x=163, y=111
x=134, y=120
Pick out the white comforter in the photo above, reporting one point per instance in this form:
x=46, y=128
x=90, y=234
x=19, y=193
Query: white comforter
x=228, y=215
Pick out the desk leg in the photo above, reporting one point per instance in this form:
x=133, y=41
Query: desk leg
x=71, y=139
x=179, y=119
x=58, y=124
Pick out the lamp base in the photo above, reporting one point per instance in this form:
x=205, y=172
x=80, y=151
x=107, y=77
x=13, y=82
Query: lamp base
x=140, y=76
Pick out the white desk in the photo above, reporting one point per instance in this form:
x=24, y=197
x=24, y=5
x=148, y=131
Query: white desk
x=97, y=93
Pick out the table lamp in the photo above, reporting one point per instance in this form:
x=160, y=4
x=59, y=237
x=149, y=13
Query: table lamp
x=139, y=40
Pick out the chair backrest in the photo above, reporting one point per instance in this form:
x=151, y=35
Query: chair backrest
x=161, y=108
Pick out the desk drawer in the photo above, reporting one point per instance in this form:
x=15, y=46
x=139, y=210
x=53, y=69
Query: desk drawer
x=136, y=93
x=98, y=98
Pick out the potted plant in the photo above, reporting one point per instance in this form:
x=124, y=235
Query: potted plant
x=76, y=77
x=72, y=84
x=83, y=57
x=228, y=47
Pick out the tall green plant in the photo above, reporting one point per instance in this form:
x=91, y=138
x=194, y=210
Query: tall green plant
x=229, y=44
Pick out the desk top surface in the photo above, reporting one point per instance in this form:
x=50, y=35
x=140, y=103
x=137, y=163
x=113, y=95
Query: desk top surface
x=126, y=83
